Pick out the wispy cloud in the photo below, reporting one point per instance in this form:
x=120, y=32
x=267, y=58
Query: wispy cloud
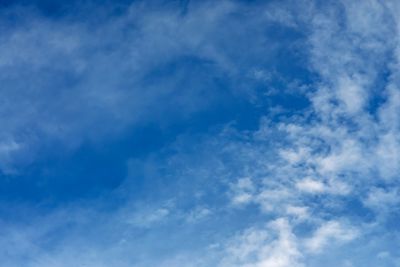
x=69, y=80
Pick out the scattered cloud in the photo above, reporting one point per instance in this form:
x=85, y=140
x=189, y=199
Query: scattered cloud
x=288, y=192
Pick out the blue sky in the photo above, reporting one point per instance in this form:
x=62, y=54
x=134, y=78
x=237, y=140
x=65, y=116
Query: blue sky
x=199, y=133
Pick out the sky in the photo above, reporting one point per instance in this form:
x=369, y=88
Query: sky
x=225, y=133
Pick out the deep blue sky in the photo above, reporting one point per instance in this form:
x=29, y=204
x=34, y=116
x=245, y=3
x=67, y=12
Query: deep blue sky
x=199, y=133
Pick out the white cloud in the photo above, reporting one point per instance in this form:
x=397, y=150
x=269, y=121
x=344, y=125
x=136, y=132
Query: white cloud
x=340, y=148
x=254, y=248
x=300, y=212
x=328, y=232
x=351, y=93
x=311, y=186
x=382, y=200
x=243, y=191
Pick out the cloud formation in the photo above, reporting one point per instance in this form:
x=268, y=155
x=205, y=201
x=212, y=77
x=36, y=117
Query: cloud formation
x=316, y=181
